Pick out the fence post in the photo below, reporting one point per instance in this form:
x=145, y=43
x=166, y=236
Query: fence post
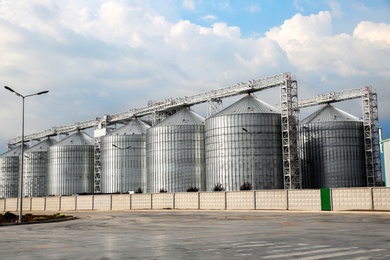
x=225, y=200
x=287, y=206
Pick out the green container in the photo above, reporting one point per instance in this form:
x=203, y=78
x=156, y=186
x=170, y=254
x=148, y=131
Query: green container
x=325, y=200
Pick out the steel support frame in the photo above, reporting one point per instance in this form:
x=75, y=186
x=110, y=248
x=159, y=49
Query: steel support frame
x=290, y=144
x=371, y=139
x=97, y=166
x=214, y=106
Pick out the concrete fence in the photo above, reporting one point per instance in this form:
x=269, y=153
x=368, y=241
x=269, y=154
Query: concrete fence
x=304, y=200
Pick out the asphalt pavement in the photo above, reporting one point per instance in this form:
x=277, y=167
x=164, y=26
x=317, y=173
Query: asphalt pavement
x=173, y=234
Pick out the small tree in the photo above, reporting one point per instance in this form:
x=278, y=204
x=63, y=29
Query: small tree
x=192, y=189
x=10, y=216
x=218, y=187
x=139, y=190
x=246, y=186
x=163, y=190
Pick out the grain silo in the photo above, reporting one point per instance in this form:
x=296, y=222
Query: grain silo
x=9, y=173
x=333, y=152
x=123, y=158
x=71, y=165
x=175, y=153
x=36, y=168
x=243, y=144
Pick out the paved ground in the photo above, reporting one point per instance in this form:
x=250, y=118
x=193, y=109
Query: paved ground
x=202, y=235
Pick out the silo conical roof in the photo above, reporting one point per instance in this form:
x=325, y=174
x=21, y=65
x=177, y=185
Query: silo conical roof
x=184, y=117
x=42, y=146
x=133, y=127
x=329, y=113
x=249, y=105
x=13, y=152
x=78, y=138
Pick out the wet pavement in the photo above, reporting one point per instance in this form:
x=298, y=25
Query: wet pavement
x=173, y=234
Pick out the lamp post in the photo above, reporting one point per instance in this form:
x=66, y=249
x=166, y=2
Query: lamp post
x=22, y=149
x=122, y=167
x=252, y=152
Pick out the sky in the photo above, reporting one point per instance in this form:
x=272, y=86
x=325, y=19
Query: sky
x=101, y=57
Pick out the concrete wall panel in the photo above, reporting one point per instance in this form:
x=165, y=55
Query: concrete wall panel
x=38, y=203
x=351, y=199
x=187, y=200
x=68, y=203
x=271, y=199
x=381, y=198
x=141, y=201
x=84, y=202
x=240, y=200
x=102, y=202
x=2, y=204
x=162, y=200
x=120, y=202
x=53, y=203
x=26, y=204
x=11, y=204
x=212, y=200
x=304, y=200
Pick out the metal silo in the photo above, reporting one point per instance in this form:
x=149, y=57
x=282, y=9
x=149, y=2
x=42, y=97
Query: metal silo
x=71, y=165
x=123, y=158
x=333, y=152
x=9, y=173
x=175, y=153
x=36, y=168
x=243, y=144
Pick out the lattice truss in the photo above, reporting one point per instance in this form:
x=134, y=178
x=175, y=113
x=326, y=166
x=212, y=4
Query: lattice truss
x=290, y=121
x=371, y=138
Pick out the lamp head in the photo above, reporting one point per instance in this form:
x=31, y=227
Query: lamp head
x=43, y=92
x=8, y=88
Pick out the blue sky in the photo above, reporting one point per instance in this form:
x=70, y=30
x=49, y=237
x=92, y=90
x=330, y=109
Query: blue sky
x=105, y=57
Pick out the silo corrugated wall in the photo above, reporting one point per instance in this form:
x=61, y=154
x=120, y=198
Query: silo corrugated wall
x=175, y=153
x=71, y=166
x=235, y=156
x=333, y=150
x=35, y=169
x=9, y=173
x=123, y=159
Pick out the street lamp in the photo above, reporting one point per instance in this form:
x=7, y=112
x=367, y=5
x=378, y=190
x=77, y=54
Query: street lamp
x=122, y=166
x=22, y=149
x=252, y=151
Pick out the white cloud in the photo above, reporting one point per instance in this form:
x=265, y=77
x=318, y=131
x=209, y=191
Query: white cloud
x=209, y=18
x=188, y=4
x=375, y=32
x=106, y=57
x=222, y=30
x=335, y=8
x=298, y=6
x=300, y=29
x=224, y=5
x=253, y=9
x=310, y=46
